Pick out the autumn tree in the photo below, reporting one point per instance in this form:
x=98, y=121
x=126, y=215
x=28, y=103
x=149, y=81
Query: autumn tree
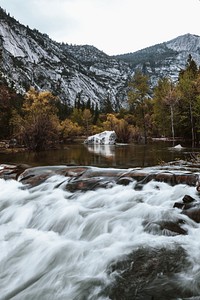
x=87, y=119
x=123, y=130
x=197, y=107
x=16, y=124
x=69, y=130
x=76, y=116
x=188, y=93
x=111, y=122
x=138, y=98
x=171, y=99
x=39, y=120
x=165, y=100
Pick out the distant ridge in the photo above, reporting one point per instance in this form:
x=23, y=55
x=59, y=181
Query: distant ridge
x=30, y=58
x=165, y=59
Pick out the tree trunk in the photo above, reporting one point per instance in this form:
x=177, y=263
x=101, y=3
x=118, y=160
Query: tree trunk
x=172, y=122
x=144, y=126
x=192, y=125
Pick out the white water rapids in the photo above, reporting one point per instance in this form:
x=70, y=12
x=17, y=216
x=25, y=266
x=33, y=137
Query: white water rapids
x=58, y=245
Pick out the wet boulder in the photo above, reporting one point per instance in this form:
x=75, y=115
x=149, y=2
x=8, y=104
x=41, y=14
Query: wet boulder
x=35, y=176
x=89, y=184
x=12, y=171
x=193, y=213
x=149, y=273
x=190, y=207
x=186, y=203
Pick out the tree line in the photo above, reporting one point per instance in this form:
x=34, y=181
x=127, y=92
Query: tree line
x=39, y=120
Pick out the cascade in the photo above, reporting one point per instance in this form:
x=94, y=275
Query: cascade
x=97, y=234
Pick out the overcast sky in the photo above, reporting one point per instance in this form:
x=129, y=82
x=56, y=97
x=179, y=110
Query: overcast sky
x=113, y=26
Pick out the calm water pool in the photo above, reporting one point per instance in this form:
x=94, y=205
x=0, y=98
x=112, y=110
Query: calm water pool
x=120, y=156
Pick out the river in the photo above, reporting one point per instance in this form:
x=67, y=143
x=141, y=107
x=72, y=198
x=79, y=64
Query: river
x=60, y=245
x=119, y=156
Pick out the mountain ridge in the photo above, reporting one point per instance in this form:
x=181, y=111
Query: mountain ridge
x=71, y=72
x=165, y=59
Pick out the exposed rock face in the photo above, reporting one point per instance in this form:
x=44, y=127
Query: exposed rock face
x=30, y=58
x=165, y=59
x=103, y=138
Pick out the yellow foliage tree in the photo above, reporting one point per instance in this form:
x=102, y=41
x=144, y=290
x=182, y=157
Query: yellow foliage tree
x=121, y=127
x=111, y=122
x=87, y=118
x=69, y=129
x=40, y=123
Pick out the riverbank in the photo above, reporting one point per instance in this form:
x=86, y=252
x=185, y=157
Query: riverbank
x=11, y=146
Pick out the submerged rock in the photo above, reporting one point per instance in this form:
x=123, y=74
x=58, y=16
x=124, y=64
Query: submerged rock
x=35, y=176
x=87, y=184
x=165, y=227
x=149, y=273
x=92, y=175
x=103, y=138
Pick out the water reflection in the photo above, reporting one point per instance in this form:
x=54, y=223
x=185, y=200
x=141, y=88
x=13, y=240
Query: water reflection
x=120, y=156
x=103, y=150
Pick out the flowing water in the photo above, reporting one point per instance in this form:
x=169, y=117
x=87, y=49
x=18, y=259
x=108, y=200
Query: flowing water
x=59, y=245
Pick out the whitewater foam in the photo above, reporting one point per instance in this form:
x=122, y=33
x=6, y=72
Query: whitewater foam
x=58, y=245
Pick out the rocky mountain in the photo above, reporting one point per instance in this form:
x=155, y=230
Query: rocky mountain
x=30, y=58
x=166, y=59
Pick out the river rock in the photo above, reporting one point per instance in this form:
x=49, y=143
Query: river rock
x=103, y=138
x=37, y=175
x=186, y=203
x=190, y=207
x=165, y=227
x=88, y=184
x=149, y=273
x=193, y=213
x=12, y=171
x=188, y=199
